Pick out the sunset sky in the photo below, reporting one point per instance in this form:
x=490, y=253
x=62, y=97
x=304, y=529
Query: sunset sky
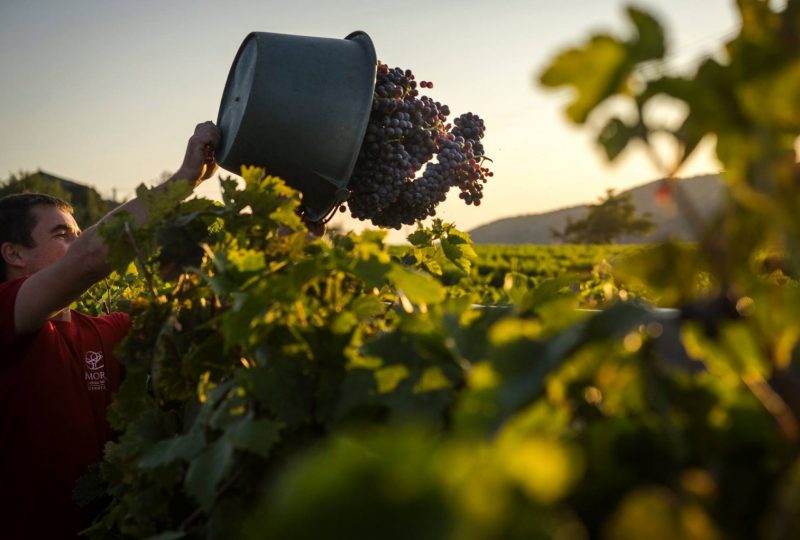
x=107, y=92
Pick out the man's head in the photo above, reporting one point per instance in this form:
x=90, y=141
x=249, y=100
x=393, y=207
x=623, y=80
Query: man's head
x=36, y=230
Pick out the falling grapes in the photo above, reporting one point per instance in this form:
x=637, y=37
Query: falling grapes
x=404, y=133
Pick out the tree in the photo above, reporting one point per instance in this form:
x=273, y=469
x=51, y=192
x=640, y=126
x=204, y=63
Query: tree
x=611, y=218
x=87, y=203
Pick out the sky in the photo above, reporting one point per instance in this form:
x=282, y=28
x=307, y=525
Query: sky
x=107, y=92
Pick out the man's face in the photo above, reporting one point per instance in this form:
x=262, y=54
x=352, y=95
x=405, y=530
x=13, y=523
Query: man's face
x=52, y=236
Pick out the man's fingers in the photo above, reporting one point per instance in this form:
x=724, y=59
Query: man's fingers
x=200, y=159
x=208, y=133
x=210, y=167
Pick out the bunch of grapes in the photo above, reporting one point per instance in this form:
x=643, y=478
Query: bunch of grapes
x=404, y=133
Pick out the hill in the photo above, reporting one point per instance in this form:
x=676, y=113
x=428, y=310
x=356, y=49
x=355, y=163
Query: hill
x=705, y=191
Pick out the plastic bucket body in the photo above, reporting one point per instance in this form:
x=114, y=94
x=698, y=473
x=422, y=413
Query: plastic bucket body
x=298, y=107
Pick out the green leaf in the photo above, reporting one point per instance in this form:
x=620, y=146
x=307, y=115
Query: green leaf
x=420, y=288
x=162, y=200
x=183, y=447
x=420, y=238
x=524, y=363
x=546, y=291
x=114, y=235
x=257, y=436
x=433, y=266
x=774, y=98
x=615, y=136
x=649, y=41
x=596, y=71
x=458, y=237
x=246, y=260
x=615, y=322
x=207, y=470
x=460, y=255
x=358, y=388
x=372, y=271
x=343, y=322
x=367, y=307
x=282, y=387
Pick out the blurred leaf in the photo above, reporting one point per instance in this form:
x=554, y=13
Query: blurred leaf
x=419, y=288
x=283, y=389
x=774, y=98
x=654, y=512
x=254, y=435
x=547, y=291
x=544, y=469
x=366, y=307
x=207, y=470
x=648, y=44
x=615, y=137
x=597, y=71
x=183, y=447
x=245, y=260
x=372, y=271
x=382, y=486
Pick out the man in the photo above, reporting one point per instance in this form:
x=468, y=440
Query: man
x=57, y=372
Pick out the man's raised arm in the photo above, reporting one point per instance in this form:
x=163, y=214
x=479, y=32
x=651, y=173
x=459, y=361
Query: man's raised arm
x=54, y=287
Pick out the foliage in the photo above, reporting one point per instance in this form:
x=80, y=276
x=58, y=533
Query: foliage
x=280, y=386
x=613, y=217
x=88, y=205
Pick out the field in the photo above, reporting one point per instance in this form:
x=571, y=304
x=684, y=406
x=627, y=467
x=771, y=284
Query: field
x=543, y=262
x=499, y=269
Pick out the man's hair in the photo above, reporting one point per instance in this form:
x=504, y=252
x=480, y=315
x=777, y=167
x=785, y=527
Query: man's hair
x=17, y=221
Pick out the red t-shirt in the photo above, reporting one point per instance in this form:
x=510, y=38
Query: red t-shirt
x=55, y=386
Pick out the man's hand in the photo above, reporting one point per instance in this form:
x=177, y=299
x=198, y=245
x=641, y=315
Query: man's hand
x=199, y=163
x=317, y=228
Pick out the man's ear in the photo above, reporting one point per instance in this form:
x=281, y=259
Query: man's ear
x=12, y=255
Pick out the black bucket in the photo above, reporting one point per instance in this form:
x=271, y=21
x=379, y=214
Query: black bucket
x=298, y=107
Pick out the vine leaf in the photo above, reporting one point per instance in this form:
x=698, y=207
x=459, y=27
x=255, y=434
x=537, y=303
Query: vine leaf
x=615, y=137
x=257, y=436
x=183, y=447
x=596, y=71
x=419, y=287
x=420, y=238
x=648, y=44
x=207, y=470
x=603, y=66
x=458, y=252
x=162, y=201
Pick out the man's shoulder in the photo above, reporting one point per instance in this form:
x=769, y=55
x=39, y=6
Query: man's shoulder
x=11, y=286
x=8, y=298
x=115, y=318
x=116, y=323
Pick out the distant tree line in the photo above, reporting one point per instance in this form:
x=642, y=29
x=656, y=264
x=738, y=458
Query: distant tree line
x=612, y=218
x=88, y=204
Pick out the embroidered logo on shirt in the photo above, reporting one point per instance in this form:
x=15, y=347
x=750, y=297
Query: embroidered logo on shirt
x=95, y=376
